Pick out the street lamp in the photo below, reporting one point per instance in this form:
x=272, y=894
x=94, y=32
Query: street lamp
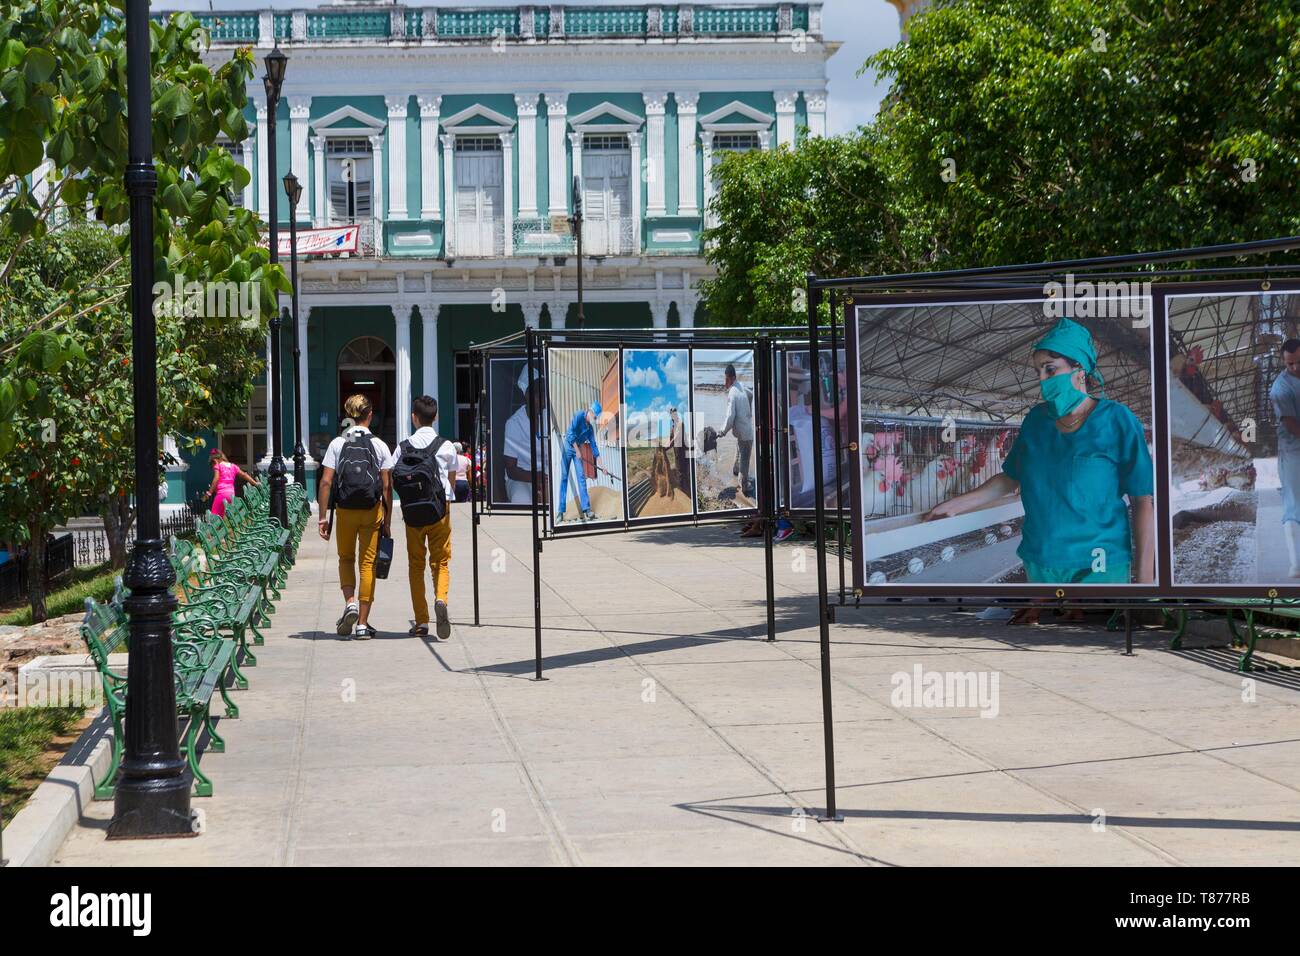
x=152, y=797
x=275, y=62
x=293, y=190
x=575, y=221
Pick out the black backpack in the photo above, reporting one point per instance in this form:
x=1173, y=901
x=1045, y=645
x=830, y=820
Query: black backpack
x=357, y=485
x=417, y=479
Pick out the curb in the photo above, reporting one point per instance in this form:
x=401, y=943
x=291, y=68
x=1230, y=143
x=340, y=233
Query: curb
x=36, y=833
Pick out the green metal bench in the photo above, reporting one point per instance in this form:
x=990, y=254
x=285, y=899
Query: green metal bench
x=201, y=659
x=1249, y=607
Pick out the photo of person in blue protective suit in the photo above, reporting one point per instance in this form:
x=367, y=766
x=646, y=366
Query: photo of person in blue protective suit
x=1082, y=468
x=1284, y=394
x=585, y=462
x=580, y=447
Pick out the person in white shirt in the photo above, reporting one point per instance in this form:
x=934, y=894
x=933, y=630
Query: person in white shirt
x=364, y=507
x=517, y=454
x=435, y=536
x=740, y=422
x=464, y=471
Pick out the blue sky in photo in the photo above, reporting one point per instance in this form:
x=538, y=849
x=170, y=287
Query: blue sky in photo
x=862, y=27
x=655, y=381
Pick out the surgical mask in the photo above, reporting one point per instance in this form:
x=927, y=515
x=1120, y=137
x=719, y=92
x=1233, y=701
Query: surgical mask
x=1059, y=392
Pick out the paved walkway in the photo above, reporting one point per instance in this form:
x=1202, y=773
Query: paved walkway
x=669, y=732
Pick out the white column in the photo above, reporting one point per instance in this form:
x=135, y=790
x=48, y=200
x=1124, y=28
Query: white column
x=396, y=155
x=815, y=100
x=764, y=139
x=706, y=156
x=402, y=320
x=429, y=359
x=532, y=312
x=265, y=461
x=686, y=307
x=659, y=312
x=429, y=110
x=526, y=105
x=654, y=127
x=785, y=103
x=559, y=312
x=263, y=201
x=575, y=144
x=687, y=162
x=322, y=210
x=558, y=191
x=508, y=188
x=299, y=111
x=634, y=143
x=304, y=416
x=449, y=190
x=377, y=189
x=246, y=160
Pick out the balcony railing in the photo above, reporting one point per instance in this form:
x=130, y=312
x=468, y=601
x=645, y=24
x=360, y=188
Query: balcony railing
x=524, y=23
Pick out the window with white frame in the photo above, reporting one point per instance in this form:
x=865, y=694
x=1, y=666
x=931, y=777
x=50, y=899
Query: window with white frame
x=349, y=173
x=479, y=167
x=606, y=194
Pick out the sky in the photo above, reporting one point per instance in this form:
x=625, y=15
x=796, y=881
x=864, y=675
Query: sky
x=862, y=26
x=655, y=381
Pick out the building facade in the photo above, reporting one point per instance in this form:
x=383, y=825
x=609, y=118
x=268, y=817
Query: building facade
x=453, y=141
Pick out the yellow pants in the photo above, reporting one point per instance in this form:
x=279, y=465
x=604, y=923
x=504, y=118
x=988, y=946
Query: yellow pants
x=437, y=537
x=358, y=534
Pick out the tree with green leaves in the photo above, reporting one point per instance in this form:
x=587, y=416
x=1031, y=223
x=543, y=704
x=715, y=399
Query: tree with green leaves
x=63, y=156
x=1029, y=130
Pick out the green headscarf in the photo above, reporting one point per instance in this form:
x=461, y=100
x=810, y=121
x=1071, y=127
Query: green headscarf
x=1072, y=340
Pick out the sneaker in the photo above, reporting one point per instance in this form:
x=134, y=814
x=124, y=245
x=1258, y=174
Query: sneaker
x=589, y=515
x=343, y=626
x=783, y=532
x=443, y=618
x=364, y=632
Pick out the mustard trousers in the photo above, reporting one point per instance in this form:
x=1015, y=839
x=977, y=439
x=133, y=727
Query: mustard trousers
x=436, y=538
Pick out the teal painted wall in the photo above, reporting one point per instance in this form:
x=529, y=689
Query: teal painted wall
x=543, y=158
x=672, y=133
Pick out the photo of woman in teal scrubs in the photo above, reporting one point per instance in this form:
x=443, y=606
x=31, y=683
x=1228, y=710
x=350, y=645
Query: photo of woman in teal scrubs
x=1075, y=460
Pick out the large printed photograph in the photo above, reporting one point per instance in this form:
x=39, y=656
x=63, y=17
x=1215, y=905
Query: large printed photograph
x=800, y=476
x=1234, y=437
x=510, y=449
x=1005, y=442
x=657, y=397
x=722, y=393
x=585, y=477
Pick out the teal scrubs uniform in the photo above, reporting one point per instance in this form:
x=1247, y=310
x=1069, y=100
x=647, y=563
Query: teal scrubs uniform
x=1072, y=485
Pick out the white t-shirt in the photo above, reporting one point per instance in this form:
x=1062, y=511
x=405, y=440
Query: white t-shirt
x=446, y=456
x=331, y=459
x=518, y=447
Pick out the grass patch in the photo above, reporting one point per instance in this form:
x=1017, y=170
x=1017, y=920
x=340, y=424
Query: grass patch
x=96, y=582
x=25, y=736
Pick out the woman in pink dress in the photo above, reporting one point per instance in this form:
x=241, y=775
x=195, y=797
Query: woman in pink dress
x=224, y=472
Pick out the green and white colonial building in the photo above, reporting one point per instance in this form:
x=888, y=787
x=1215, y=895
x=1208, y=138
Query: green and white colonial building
x=450, y=139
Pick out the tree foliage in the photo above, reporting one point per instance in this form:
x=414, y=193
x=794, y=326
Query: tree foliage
x=1029, y=130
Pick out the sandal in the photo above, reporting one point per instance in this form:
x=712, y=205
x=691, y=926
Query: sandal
x=418, y=630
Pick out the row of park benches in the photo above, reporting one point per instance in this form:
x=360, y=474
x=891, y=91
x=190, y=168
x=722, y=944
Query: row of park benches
x=227, y=583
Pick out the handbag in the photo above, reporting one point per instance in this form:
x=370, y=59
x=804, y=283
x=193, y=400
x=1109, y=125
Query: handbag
x=383, y=557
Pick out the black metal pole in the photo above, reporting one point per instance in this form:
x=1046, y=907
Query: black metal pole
x=840, y=534
x=823, y=620
x=299, y=453
x=277, y=509
x=152, y=798
x=533, y=424
x=577, y=232
x=475, y=360
x=763, y=383
x=1128, y=633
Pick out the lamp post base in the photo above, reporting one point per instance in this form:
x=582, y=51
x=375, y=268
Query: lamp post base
x=157, y=809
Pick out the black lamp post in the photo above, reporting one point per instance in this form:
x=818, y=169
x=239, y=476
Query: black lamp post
x=293, y=190
x=275, y=63
x=152, y=798
x=575, y=221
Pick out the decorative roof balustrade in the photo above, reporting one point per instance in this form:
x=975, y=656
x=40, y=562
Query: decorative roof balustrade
x=524, y=23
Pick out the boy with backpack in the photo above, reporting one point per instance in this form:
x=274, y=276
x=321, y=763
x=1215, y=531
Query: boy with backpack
x=354, y=485
x=423, y=471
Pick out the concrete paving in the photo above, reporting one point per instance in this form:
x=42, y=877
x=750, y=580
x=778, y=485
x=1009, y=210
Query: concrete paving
x=669, y=732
